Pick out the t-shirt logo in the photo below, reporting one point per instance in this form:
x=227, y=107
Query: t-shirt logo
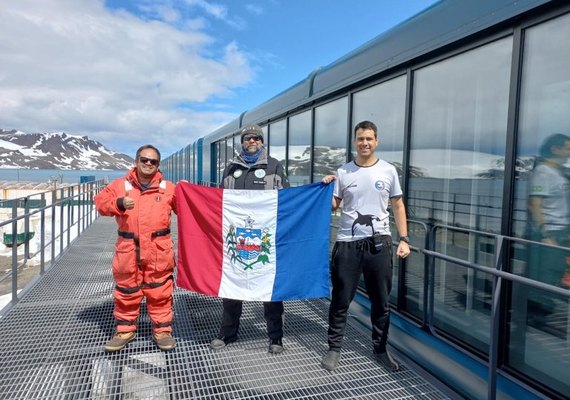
x=379, y=185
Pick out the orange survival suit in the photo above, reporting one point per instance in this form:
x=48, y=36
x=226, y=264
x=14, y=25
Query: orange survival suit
x=143, y=264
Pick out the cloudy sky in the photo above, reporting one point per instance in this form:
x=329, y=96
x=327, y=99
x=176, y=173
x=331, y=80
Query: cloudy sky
x=130, y=72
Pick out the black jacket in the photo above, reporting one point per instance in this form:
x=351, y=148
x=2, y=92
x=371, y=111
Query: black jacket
x=265, y=174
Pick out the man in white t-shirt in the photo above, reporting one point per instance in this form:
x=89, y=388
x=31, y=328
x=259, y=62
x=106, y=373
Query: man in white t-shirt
x=366, y=186
x=549, y=208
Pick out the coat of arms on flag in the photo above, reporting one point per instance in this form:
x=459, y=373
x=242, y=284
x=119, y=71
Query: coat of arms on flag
x=247, y=245
x=265, y=245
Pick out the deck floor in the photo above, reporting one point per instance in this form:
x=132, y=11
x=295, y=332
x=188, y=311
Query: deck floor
x=51, y=345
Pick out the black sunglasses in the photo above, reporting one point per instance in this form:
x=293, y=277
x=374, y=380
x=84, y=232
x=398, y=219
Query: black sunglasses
x=145, y=160
x=247, y=138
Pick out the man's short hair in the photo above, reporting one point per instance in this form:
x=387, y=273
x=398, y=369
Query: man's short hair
x=555, y=140
x=147, y=146
x=366, y=125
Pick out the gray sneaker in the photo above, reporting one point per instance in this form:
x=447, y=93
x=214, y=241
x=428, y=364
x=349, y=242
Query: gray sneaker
x=276, y=346
x=386, y=360
x=221, y=342
x=330, y=360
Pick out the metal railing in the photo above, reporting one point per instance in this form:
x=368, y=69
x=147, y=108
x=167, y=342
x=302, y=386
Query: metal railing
x=498, y=275
x=62, y=215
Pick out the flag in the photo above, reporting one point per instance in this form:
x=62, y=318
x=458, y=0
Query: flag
x=267, y=245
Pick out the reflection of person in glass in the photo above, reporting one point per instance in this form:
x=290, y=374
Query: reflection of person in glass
x=549, y=209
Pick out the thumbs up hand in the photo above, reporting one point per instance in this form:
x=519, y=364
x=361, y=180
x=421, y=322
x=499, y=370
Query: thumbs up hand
x=128, y=202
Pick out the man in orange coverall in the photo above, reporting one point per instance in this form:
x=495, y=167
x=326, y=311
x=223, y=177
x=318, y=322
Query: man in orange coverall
x=141, y=203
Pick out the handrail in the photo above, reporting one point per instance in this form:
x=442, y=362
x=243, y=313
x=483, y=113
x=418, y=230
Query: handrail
x=498, y=275
x=80, y=213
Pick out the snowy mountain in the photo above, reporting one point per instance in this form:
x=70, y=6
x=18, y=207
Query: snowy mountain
x=57, y=151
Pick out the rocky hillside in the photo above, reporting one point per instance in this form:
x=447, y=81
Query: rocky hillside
x=57, y=151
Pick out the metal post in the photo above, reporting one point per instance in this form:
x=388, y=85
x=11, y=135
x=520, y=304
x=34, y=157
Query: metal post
x=26, y=228
x=82, y=206
x=61, y=230
x=42, y=235
x=494, y=328
x=78, y=214
x=14, y=252
x=91, y=191
x=69, y=208
x=53, y=200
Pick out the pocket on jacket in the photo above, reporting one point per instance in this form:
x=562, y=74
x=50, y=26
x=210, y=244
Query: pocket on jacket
x=125, y=258
x=164, y=256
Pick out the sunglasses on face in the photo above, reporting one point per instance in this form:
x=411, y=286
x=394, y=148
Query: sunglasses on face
x=151, y=161
x=247, y=138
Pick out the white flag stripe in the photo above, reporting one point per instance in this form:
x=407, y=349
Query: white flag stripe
x=249, y=212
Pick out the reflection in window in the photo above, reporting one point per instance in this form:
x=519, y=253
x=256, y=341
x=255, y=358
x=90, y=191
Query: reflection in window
x=458, y=138
x=330, y=138
x=457, y=152
x=237, y=145
x=278, y=141
x=385, y=105
x=541, y=206
x=221, y=155
x=229, y=150
x=299, y=162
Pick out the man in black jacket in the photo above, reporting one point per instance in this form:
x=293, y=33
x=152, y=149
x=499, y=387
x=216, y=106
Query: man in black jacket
x=253, y=169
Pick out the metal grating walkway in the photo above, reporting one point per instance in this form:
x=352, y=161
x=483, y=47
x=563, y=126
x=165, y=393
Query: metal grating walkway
x=51, y=346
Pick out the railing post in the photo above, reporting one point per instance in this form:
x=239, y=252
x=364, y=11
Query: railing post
x=494, y=322
x=91, y=201
x=52, y=244
x=26, y=228
x=82, y=202
x=62, y=197
x=78, y=216
x=429, y=280
x=69, y=215
x=42, y=235
x=14, y=252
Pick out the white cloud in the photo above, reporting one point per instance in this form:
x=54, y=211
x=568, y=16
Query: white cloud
x=75, y=66
x=255, y=9
x=214, y=9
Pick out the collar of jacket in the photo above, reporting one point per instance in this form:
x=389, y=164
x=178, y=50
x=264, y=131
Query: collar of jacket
x=133, y=178
x=261, y=161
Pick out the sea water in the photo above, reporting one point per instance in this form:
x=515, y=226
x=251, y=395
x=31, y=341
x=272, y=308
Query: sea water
x=59, y=175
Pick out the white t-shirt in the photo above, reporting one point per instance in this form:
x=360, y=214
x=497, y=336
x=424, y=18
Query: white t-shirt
x=554, y=189
x=365, y=192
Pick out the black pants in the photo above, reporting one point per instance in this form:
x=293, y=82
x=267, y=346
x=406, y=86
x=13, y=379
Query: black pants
x=272, y=311
x=349, y=261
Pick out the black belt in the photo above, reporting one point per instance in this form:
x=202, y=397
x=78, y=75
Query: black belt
x=162, y=232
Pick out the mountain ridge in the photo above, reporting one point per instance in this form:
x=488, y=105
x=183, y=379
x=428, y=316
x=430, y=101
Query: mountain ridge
x=57, y=150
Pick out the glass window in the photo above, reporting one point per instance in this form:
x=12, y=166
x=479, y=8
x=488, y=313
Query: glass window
x=299, y=162
x=541, y=206
x=329, y=153
x=457, y=157
x=221, y=145
x=221, y=160
x=278, y=141
x=237, y=145
x=385, y=105
x=229, y=150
